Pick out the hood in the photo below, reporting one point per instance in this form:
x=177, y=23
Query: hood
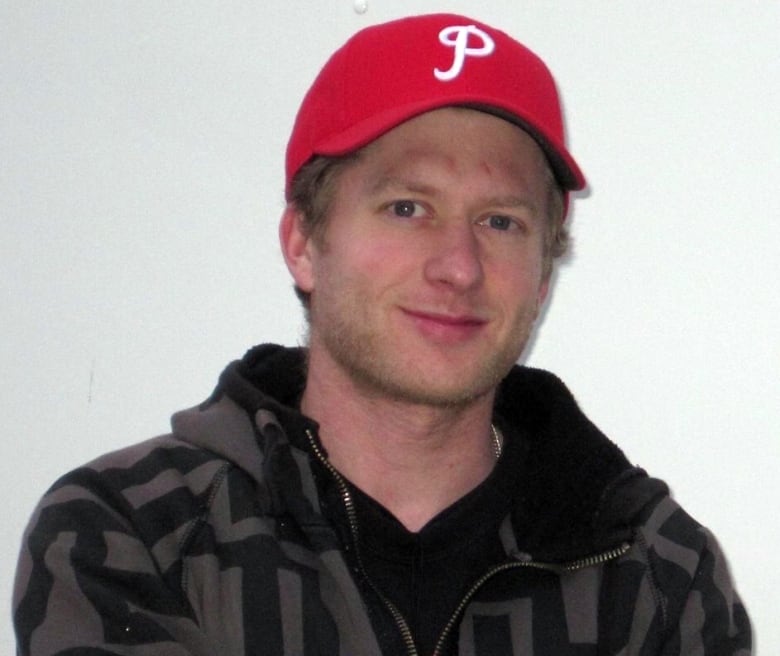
x=264, y=386
x=578, y=494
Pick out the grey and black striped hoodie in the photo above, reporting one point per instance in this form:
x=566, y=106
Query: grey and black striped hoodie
x=210, y=541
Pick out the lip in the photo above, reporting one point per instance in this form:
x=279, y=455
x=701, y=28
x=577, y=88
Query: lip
x=449, y=328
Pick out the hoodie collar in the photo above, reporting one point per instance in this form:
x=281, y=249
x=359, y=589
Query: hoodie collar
x=570, y=471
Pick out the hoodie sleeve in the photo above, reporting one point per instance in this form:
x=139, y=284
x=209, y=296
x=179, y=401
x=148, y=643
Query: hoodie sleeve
x=712, y=619
x=697, y=609
x=91, y=580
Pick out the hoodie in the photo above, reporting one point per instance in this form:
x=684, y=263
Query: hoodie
x=218, y=538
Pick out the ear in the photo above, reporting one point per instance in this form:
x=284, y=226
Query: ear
x=296, y=247
x=541, y=295
x=544, y=289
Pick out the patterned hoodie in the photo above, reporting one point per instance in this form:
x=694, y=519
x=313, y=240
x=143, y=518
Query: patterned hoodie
x=211, y=540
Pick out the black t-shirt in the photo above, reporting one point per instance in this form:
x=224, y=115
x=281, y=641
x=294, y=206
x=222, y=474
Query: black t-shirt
x=426, y=574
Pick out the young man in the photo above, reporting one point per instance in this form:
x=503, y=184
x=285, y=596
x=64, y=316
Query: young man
x=400, y=486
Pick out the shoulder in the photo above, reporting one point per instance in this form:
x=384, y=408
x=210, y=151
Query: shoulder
x=682, y=554
x=158, y=482
x=140, y=473
x=680, y=578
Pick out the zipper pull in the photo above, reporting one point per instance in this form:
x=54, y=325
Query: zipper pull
x=522, y=556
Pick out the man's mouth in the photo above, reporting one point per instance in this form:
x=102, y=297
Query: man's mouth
x=446, y=327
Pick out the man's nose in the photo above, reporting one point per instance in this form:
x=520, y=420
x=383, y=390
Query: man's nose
x=455, y=257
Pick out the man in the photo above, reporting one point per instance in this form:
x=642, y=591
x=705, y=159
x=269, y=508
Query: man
x=400, y=486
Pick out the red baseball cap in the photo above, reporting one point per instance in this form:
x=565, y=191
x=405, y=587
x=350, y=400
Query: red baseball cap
x=388, y=73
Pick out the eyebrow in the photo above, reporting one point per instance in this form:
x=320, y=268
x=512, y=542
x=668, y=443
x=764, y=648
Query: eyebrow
x=393, y=182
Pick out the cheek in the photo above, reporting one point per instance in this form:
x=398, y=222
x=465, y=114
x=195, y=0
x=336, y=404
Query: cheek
x=521, y=293
x=351, y=269
x=521, y=272
x=383, y=258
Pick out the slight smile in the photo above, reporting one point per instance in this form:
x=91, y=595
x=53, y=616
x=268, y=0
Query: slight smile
x=450, y=328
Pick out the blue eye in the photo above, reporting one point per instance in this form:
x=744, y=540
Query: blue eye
x=405, y=208
x=499, y=222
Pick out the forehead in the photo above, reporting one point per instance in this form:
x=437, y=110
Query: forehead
x=459, y=142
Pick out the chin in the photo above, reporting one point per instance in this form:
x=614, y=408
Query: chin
x=413, y=385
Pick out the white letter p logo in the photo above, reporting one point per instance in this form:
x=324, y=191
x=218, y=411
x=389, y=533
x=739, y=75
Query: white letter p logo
x=457, y=37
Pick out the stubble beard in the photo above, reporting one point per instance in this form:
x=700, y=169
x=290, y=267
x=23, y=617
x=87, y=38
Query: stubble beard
x=367, y=358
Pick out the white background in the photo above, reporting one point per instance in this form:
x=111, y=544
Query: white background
x=141, y=152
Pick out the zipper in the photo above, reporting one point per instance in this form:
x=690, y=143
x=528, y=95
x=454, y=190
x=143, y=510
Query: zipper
x=349, y=506
x=582, y=563
x=522, y=562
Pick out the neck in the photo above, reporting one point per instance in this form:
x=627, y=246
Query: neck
x=414, y=459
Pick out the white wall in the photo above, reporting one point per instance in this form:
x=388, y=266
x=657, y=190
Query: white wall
x=141, y=149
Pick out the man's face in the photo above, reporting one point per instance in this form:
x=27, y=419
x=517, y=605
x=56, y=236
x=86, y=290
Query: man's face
x=428, y=278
